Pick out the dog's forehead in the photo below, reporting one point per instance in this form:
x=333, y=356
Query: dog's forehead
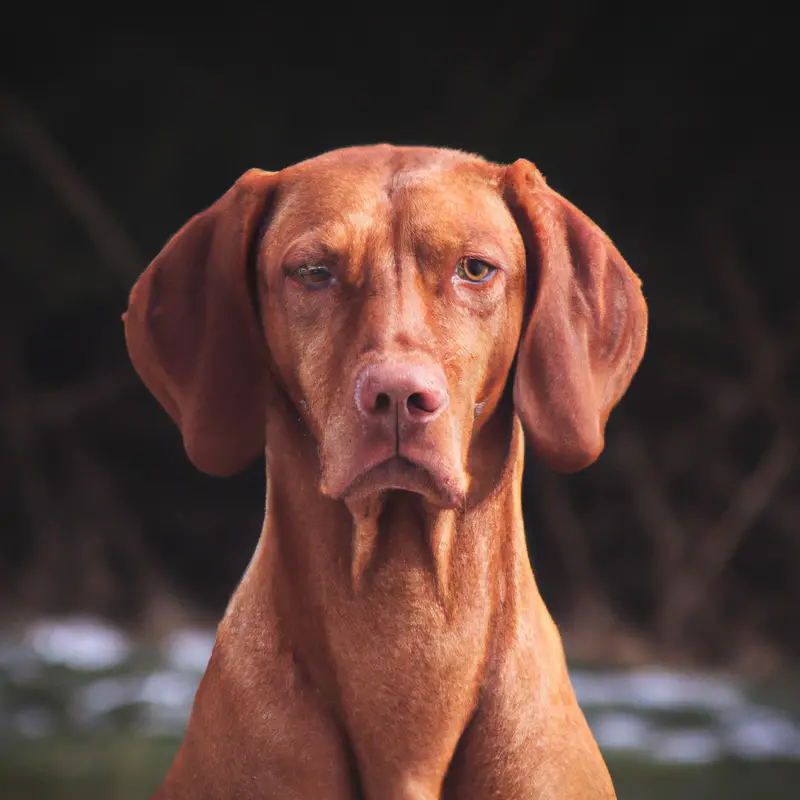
x=386, y=159
x=430, y=191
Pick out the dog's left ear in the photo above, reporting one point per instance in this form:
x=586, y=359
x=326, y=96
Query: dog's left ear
x=585, y=334
x=193, y=334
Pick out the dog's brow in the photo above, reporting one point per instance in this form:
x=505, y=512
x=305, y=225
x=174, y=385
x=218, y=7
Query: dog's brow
x=338, y=236
x=484, y=244
x=453, y=233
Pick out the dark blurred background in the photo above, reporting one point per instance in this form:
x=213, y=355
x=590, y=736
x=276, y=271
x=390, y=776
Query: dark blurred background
x=676, y=132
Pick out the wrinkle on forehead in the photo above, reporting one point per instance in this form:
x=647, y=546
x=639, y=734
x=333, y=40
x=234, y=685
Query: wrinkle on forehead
x=439, y=219
x=473, y=172
x=337, y=200
x=368, y=175
x=429, y=204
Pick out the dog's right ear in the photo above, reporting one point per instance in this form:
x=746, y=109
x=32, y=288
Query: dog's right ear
x=193, y=334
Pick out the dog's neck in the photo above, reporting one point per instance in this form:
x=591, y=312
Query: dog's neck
x=397, y=549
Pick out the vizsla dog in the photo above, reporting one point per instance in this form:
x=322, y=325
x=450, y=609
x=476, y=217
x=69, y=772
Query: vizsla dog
x=389, y=323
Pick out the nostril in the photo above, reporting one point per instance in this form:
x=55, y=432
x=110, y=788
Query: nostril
x=417, y=401
x=422, y=401
x=382, y=402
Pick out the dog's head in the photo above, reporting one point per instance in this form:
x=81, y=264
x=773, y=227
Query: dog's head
x=385, y=294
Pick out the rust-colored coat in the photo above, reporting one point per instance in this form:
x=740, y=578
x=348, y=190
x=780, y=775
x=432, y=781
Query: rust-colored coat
x=389, y=323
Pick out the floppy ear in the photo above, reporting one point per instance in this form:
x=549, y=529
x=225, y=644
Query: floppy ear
x=585, y=333
x=193, y=334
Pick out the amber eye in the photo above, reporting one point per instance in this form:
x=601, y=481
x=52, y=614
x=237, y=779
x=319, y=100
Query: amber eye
x=314, y=275
x=474, y=270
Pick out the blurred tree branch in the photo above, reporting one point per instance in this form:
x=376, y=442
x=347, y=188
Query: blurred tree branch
x=54, y=407
x=29, y=135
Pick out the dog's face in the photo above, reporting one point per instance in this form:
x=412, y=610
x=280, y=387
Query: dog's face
x=393, y=298
x=394, y=286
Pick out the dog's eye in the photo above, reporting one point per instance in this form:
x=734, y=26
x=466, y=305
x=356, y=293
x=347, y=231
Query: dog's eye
x=474, y=270
x=314, y=275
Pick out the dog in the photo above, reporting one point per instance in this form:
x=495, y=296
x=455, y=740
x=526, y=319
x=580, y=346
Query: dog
x=388, y=324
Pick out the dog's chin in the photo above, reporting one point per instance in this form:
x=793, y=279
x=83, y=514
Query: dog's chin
x=402, y=474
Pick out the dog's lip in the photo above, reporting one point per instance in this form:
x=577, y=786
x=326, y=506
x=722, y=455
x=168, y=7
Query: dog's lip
x=401, y=472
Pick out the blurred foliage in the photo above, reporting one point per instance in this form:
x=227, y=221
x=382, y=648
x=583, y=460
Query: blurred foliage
x=126, y=767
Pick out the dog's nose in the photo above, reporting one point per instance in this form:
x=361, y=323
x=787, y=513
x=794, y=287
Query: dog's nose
x=412, y=392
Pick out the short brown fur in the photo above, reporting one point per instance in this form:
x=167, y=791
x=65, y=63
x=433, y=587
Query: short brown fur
x=388, y=639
